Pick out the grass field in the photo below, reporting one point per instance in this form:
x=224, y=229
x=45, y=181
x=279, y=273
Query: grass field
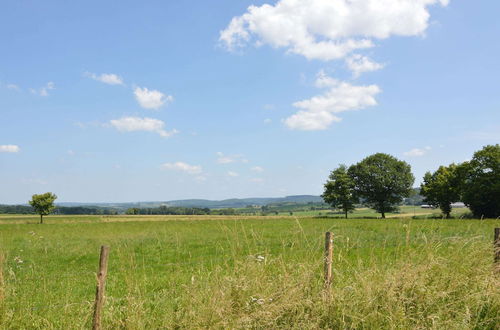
x=404, y=211
x=254, y=272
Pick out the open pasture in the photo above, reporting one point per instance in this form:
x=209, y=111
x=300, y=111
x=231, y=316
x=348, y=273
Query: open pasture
x=253, y=272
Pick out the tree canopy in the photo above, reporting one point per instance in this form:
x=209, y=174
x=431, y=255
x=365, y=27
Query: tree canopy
x=481, y=182
x=442, y=188
x=43, y=204
x=383, y=181
x=340, y=190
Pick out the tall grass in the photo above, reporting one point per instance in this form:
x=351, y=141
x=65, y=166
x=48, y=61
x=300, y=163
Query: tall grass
x=388, y=274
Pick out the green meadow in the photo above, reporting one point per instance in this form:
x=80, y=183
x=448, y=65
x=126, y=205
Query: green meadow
x=190, y=272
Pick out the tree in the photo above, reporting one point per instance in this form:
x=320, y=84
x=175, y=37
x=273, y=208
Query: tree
x=481, y=182
x=383, y=181
x=132, y=211
x=442, y=188
x=339, y=190
x=43, y=204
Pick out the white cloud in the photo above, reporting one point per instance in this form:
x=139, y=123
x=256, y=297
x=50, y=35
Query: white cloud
x=184, y=167
x=151, y=99
x=233, y=174
x=257, y=169
x=417, y=152
x=133, y=124
x=13, y=87
x=107, y=78
x=327, y=29
x=257, y=180
x=227, y=159
x=318, y=112
x=359, y=64
x=43, y=91
x=268, y=121
x=9, y=148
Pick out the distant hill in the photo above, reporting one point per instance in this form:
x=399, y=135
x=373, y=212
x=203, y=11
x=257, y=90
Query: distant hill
x=205, y=203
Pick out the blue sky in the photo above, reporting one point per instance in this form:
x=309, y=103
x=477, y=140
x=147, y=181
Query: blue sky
x=156, y=100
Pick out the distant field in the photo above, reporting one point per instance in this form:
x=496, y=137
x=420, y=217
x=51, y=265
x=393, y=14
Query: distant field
x=405, y=211
x=248, y=272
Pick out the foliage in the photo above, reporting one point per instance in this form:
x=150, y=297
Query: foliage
x=43, y=204
x=481, y=182
x=170, y=210
x=442, y=188
x=16, y=209
x=382, y=180
x=340, y=190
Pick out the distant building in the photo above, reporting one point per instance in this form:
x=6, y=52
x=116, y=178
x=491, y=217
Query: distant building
x=426, y=206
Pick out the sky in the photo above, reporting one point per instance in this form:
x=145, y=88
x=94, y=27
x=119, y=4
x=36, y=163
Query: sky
x=118, y=101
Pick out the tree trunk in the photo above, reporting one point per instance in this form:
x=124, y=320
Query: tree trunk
x=345, y=214
x=383, y=214
x=41, y=218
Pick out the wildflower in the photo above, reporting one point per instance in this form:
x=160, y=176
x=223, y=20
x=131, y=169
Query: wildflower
x=259, y=301
x=18, y=260
x=260, y=258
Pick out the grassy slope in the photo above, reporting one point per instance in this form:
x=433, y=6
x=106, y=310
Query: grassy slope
x=190, y=274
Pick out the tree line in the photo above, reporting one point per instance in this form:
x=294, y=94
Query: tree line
x=382, y=182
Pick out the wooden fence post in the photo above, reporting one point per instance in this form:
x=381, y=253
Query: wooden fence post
x=496, y=247
x=101, y=284
x=328, y=259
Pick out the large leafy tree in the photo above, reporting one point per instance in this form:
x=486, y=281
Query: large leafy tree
x=481, y=182
x=442, y=188
x=383, y=181
x=339, y=190
x=43, y=204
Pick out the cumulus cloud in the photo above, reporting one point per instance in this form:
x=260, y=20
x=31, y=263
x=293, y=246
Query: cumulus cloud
x=43, y=91
x=107, y=78
x=319, y=112
x=11, y=148
x=232, y=174
x=133, y=124
x=417, y=152
x=359, y=64
x=227, y=159
x=151, y=99
x=183, y=167
x=327, y=29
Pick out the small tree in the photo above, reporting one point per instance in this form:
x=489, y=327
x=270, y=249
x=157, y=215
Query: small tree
x=481, y=182
x=442, y=188
x=382, y=180
x=339, y=190
x=43, y=204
